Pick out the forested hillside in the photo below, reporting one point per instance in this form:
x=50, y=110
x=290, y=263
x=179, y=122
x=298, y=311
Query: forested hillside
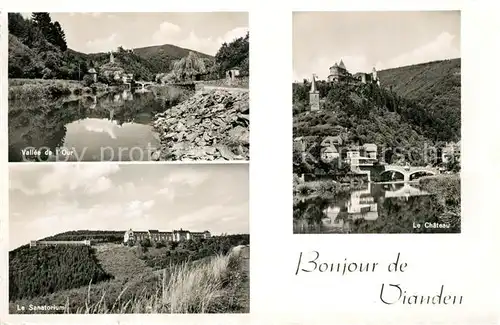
x=434, y=85
x=94, y=235
x=366, y=113
x=38, y=49
x=40, y=271
x=173, y=253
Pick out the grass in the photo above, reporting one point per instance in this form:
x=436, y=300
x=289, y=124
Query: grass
x=216, y=285
x=446, y=189
x=172, y=95
x=30, y=89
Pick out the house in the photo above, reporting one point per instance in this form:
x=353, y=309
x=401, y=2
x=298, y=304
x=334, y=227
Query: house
x=329, y=153
x=232, y=73
x=127, y=78
x=332, y=141
x=154, y=236
x=370, y=150
x=451, y=152
x=93, y=73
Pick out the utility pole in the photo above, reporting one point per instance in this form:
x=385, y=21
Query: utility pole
x=78, y=71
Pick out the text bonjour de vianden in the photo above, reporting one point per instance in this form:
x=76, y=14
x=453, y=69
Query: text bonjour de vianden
x=390, y=293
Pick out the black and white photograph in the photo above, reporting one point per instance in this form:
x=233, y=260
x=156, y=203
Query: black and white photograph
x=376, y=122
x=101, y=86
x=128, y=238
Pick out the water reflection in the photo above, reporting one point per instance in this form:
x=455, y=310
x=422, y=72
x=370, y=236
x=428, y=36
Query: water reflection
x=377, y=208
x=86, y=125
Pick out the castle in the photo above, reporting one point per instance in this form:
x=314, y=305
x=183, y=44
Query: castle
x=158, y=236
x=338, y=73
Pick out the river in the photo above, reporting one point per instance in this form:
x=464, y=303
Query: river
x=111, y=127
x=376, y=208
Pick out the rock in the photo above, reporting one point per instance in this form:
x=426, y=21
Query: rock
x=211, y=125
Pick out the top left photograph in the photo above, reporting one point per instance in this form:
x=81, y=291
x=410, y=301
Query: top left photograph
x=128, y=86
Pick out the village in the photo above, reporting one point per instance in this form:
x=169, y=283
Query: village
x=360, y=157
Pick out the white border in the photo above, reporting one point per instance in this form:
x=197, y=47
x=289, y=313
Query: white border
x=466, y=262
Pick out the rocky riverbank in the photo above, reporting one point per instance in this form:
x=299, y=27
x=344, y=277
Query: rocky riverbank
x=211, y=125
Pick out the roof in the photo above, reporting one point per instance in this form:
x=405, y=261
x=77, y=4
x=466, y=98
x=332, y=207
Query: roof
x=313, y=85
x=341, y=65
x=332, y=139
x=153, y=231
x=92, y=70
x=369, y=146
x=330, y=149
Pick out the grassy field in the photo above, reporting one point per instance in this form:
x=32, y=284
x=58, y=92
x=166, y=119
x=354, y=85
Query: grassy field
x=218, y=284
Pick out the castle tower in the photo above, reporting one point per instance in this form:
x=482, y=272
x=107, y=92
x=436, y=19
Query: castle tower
x=314, y=96
x=111, y=58
x=374, y=76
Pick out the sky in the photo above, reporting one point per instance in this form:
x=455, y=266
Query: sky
x=47, y=199
x=367, y=39
x=103, y=32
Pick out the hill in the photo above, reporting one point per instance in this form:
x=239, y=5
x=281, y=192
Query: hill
x=181, y=277
x=38, y=271
x=38, y=49
x=429, y=83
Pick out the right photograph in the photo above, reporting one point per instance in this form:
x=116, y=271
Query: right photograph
x=376, y=122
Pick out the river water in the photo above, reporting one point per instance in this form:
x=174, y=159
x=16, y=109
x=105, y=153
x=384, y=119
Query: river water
x=376, y=208
x=112, y=127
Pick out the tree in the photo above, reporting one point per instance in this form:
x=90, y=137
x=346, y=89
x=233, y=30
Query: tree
x=58, y=36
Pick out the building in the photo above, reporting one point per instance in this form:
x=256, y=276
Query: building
x=159, y=236
x=370, y=150
x=233, y=73
x=299, y=144
x=332, y=141
x=111, y=58
x=450, y=152
x=35, y=243
x=127, y=78
x=314, y=96
x=338, y=72
x=93, y=73
x=329, y=153
x=367, y=77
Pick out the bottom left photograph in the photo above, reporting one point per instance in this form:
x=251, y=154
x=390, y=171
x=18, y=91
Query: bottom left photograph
x=128, y=238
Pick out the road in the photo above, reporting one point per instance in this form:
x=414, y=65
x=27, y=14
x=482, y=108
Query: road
x=224, y=88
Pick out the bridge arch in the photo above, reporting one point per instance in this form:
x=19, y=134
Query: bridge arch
x=394, y=172
x=426, y=172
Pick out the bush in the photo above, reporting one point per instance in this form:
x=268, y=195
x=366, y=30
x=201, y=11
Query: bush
x=88, y=80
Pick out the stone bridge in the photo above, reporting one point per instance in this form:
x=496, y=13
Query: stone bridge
x=408, y=171
x=143, y=84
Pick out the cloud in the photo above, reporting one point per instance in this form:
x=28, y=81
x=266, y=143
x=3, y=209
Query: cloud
x=167, y=30
x=101, y=126
x=169, y=33
x=188, y=176
x=91, y=178
x=224, y=218
x=167, y=193
x=440, y=48
x=105, y=44
x=138, y=209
